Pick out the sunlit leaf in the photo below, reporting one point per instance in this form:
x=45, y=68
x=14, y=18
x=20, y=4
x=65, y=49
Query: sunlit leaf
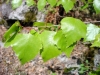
x=68, y=5
x=12, y=31
x=16, y=3
x=61, y=42
x=96, y=4
x=96, y=42
x=30, y=2
x=26, y=46
x=74, y=29
x=39, y=24
x=52, y=2
x=49, y=48
x=41, y=4
x=92, y=31
x=32, y=31
x=59, y=2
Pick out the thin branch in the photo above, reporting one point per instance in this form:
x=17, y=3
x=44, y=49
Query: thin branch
x=59, y=24
x=92, y=22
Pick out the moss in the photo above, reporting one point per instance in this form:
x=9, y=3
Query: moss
x=30, y=16
x=3, y=22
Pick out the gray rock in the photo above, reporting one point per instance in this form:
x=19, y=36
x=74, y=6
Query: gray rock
x=5, y=10
x=18, y=14
x=68, y=62
x=97, y=60
x=1, y=44
x=40, y=16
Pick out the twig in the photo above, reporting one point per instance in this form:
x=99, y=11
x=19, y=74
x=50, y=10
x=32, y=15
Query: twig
x=60, y=25
x=92, y=22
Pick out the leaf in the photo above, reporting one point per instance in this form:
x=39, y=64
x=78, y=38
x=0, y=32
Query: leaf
x=68, y=5
x=41, y=4
x=61, y=42
x=12, y=31
x=89, y=1
x=39, y=24
x=59, y=2
x=96, y=42
x=49, y=48
x=30, y=2
x=16, y=3
x=52, y=2
x=96, y=4
x=57, y=37
x=92, y=31
x=53, y=73
x=84, y=7
x=97, y=72
x=32, y=32
x=26, y=46
x=69, y=50
x=74, y=29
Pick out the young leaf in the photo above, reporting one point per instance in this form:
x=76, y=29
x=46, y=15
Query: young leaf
x=68, y=5
x=16, y=3
x=92, y=31
x=53, y=73
x=26, y=46
x=61, y=42
x=49, y=49
x=39, y=24
x=32, y=32
x=69, y=50
x=30, y=2
x=41, y=4
x=96, y=42
x=74, y=30
x=13, y=30
x=96, y=4
x=59, y=2
x=52, y=2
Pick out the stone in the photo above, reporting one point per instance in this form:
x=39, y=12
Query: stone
x=18, y=14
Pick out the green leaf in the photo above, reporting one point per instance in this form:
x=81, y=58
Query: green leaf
x=92, y=31
x=12, y=31
x=74, y=30
x=97, y=72
x=26, y=46
x=41, y=4
x=16, y=3
x=81, y=72
x=68, y=5
x=32, y=32
x=89, y=1
x=96, y=42
x=53, y=73
x=52, y=2
x=96, y=4
x=61, y=42
x=69, y=50
x=30, y=2
x=49, y=48
x=84, y=7
x=39, y=24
